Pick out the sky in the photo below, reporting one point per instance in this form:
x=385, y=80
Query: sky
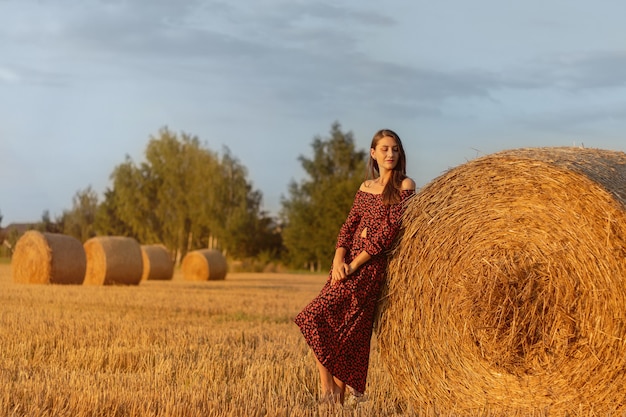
x=83, y=84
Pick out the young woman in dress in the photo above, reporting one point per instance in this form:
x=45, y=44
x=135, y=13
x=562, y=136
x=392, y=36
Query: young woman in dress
x=338, y=323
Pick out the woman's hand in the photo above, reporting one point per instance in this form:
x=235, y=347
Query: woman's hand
x=340, y=271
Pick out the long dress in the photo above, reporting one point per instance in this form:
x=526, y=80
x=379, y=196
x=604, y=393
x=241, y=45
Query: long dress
x=338, y=323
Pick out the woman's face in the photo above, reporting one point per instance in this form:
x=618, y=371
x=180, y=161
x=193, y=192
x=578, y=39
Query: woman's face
x=386, y=153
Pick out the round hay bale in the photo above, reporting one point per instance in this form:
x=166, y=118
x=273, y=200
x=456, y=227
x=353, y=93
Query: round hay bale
x=48, y=258
x=204, y=265
x=506, y=293
x=157, y=263
x=113, y=260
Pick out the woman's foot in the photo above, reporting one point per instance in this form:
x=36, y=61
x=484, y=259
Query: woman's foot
x=332, y=398
x=354, y=398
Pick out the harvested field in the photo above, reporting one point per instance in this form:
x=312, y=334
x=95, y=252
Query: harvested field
x=167, y=349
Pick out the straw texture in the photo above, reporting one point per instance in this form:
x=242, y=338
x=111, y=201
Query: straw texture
x=48, y=258
x=506, y=293
x=204, y=265
x=157, y=263
x=113, y=260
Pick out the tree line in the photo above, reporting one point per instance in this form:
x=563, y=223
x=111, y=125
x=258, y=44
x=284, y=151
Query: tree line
x=187, y=196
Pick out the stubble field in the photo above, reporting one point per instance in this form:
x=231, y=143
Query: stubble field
x=168, y=349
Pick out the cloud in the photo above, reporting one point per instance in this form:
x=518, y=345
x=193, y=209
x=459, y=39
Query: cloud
x=594, y=70
x=569, y=72
x=20, y=74
x=577, y=119
x=305, y=55
x=572, y=93
x=9, y=76
x=307, y=52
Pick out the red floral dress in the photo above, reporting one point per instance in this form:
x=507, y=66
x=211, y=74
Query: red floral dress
x=338, y=323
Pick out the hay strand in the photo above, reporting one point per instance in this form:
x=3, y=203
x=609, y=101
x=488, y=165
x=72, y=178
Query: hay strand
x=204, y=265
x=506, y=294
x=113, y=260
x=157, y=263
x=48, y=258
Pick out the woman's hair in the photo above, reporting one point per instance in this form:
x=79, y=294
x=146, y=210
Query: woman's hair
x=391, y=192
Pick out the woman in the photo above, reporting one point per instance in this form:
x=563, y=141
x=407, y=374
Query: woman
x=338, y=323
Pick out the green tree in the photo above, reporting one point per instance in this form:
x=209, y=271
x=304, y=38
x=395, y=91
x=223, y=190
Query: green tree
x=318, y=205
x=47, y=225
x=244, y=227
x=161, y=199
x=79, y=221
x=184, y=196
x=108, y=221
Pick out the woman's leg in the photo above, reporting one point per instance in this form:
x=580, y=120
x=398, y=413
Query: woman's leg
x=340, y=389
x=332, y=388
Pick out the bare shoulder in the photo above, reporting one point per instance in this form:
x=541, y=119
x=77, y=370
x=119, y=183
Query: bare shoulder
x=408, y=184
x=366, y=185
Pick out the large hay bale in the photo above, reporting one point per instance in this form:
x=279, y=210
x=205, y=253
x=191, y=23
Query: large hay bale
x=157, y=263
x=506, y=294
x=204, y=265
x=113, y=260
x=48, y=258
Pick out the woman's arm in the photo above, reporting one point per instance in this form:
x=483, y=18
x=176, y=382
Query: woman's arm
x=341, y=269
x=344, y=242
x=359, y=260
x=385, y=238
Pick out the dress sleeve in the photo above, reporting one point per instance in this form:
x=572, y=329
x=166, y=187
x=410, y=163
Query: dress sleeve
x=348, y=229
x=382, y=238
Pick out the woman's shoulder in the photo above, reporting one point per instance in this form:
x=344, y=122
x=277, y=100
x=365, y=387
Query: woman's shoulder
x=367, y=186
x=408, y=184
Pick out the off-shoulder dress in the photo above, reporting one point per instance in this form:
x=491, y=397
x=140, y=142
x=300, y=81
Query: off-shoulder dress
x=338, y=323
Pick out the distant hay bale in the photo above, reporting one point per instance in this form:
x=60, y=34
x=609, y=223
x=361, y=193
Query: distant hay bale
x=157, y=263
x=48, y=258
x=113, y=260
x=204, y=265
x=506, y=294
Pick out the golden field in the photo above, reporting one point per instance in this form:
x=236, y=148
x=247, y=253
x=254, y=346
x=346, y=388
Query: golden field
x=168, y=348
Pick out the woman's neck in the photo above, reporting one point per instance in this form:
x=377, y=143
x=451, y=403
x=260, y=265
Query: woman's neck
x=383, y=177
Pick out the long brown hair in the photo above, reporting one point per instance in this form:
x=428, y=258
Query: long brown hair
x=391, y=192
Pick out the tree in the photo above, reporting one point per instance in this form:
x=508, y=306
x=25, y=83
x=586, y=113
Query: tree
x=244, y=228
x=108, y=221
x=79, y=221
x=319, y=204
x=47, y=225
x=184, y=196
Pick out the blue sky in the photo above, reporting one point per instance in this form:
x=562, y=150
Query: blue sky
x=85, y=83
